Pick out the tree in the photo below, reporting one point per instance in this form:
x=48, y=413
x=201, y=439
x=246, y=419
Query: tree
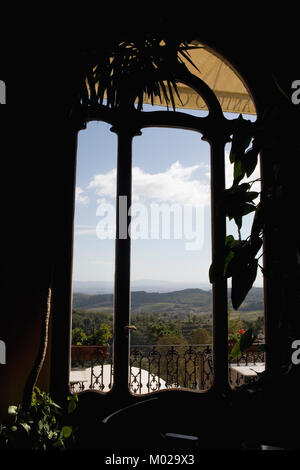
x=171, y=340
x=160, y=329
x=100, y=337
x=78, y=337
x=200, y=336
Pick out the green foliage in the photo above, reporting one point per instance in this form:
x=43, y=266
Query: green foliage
x=41, y=427
x=155, y=331
x=234, y=326
x=170, y=340
x=191, y=310
x=245, y=342
x=78, y=336
x=101, y=336
x=200, y=336
x=240, y=262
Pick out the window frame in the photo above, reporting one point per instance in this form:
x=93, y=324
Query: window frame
x=216, y=129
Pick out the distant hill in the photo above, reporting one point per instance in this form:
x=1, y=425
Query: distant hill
x=147, y=285
x=177, y=302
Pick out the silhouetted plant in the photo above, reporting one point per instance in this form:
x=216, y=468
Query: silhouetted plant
x=241, y=263
x=125, y=70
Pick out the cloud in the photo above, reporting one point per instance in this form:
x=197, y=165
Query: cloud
x=104, y=184
x=177, y=185
x=80, y=197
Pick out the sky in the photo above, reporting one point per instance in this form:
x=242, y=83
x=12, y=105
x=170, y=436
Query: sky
x=170, y=167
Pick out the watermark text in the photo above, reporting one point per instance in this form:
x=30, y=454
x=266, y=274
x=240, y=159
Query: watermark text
x=2, y=352
x=2, y=92
x=155, y=221
x=296, y=353
x=296, y=93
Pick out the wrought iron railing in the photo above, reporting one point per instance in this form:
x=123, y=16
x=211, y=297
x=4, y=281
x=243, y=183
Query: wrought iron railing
x=170, y=366
x=154, y=368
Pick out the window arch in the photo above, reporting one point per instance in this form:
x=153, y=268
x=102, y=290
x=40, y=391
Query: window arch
x=217, y=130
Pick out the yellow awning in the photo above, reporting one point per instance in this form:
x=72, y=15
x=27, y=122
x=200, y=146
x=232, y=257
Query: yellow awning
x=227, y=86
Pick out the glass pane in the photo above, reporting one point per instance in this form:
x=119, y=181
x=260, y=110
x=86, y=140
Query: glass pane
x=93, y=259
x=171, y=301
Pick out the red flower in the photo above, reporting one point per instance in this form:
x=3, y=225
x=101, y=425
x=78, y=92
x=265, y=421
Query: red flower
x=241, y=331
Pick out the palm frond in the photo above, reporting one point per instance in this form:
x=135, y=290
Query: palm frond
x=141, y=67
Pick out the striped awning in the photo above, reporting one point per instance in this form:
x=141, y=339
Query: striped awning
x=221, y=78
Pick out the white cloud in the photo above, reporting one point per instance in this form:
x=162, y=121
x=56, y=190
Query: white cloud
x=104, y=184
x=80, y=197
x=175, y=185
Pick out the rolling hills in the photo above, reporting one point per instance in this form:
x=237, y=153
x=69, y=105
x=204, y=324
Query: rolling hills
x=182, y=302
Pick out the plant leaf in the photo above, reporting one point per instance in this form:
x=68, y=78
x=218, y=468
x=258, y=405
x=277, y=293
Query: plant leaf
x=227, y=262
x=242, y=282
x=235, y=352
x=26, y=427
x=239, y=172
x=241, y=140
x=250, y=161
x=12, y=410
x=71, y=406
x=246, y=340
x=66, y=431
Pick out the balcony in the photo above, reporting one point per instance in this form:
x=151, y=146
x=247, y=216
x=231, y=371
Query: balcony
x=154, y=368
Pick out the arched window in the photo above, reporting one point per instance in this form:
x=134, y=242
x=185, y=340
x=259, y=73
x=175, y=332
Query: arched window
x=207, y=94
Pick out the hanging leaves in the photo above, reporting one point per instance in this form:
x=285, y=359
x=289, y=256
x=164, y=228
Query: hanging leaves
x=240, y=262
x=250, y=160
x=239, y=202
x=240, y=255
x=242, y=282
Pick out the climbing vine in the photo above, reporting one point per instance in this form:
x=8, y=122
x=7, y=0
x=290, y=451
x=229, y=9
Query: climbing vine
x=241, y=261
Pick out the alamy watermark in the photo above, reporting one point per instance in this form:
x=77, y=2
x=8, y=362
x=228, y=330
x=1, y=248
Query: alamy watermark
x=2, y=352
x=155, y=221
x=296, y=353
x=2, y=92
x=296, y=93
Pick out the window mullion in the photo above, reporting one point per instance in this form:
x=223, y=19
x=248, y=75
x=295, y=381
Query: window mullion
x=122, y=260
x=219, y=288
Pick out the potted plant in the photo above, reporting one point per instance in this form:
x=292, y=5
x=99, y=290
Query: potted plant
x=41, y=426
x=94, y=347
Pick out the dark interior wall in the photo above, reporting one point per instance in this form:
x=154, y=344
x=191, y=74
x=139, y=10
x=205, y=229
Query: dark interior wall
x=35, y=146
